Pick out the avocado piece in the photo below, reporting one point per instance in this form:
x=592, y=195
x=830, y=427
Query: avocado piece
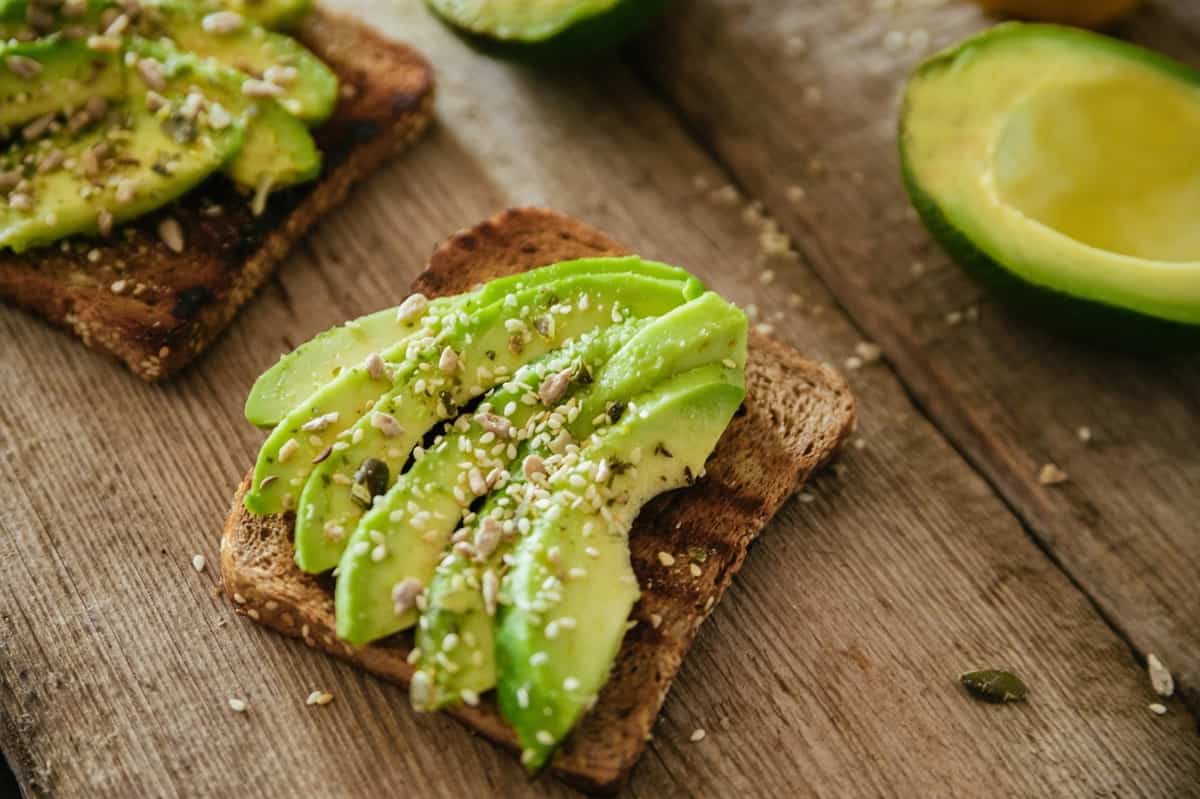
x=705, y=331
x=571, y=585
x=277, y=150
x=545, y=31
x=304, y=370
x=273, y=14
x=441, y=377
x=48, y=76
x=135, y=162
x=326, y=419
x=1059, y=166
x=309, y=88
x=405, y=535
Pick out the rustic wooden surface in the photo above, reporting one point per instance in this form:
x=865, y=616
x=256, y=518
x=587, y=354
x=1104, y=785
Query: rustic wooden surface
x=830, y=667
x=1007, y=394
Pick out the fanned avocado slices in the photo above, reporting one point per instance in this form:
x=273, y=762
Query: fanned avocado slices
x=477, y=472
x=126, y=163
x=457, y=603
x=440, y=377
x=571, y=585
x=306, y=369
x=1060, y=167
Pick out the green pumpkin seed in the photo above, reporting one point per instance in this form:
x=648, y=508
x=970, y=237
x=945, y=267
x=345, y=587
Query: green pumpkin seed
x=994, y=685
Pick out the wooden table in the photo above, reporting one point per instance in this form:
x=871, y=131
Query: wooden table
x=830, y=667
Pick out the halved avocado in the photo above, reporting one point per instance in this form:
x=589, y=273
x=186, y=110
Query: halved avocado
x=544, y=31
x=1060, y=166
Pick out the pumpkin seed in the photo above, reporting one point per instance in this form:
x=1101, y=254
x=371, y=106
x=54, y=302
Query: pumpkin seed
x=370, y=481
x=994, y=685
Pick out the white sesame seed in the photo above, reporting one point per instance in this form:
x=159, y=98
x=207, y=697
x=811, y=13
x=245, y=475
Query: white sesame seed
x=221, y=22
x=571, y=684
x=1050, y=475
x=697, y=735
x=544, y=738
x=253, y=87
x=198, y=562
x=1084, y=434
x=288, y=450
x=386, y=424
x=237, y=705
x=666, y=559
x=1158, y=708
x=1160, y=677
x=171, y=234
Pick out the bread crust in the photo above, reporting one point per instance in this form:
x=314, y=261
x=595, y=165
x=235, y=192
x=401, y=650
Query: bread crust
x=796, y=416
x=156, y=310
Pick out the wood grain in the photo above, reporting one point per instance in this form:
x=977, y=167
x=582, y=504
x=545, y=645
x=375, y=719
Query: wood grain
x=827, y=79
x=828, y=670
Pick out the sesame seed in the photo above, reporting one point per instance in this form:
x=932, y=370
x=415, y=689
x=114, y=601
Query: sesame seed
x=1160, y=677
x=544, y=738
x=253, y=87
x=151, y=73
x=1084, y=434
x=666, y=559
x=198, y=562
x=870, y=353
x=287, y=450
x=221, y=22
x=697, y=735
x=23, y=67
x=1158, y=708
x=729, y=363
x=320, y=698
x=237, y=705
x=954, y=318
x=695, y=569
x=413, y=306
x=538, y=658
x=656, y=620
x=1050, y=474
x=571, y=684
x=171, y=234
x=385, y=424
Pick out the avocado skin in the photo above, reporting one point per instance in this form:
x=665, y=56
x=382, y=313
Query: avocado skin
x=1084, y=320
x=579, y=42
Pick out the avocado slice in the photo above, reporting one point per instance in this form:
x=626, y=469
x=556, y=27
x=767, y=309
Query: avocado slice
x=306, y=369
x=405, y=535
x=462, y=363
x=309, y=88
x=49, y=75
x=1060, y=167
x=545, y=31
x=273, y=14
x=571, y=585
x=132, y=164
x=705, y=331
x=487, y=346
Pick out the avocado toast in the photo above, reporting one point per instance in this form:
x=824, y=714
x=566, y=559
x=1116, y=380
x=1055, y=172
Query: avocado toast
x=158, y=289
x=682, y=550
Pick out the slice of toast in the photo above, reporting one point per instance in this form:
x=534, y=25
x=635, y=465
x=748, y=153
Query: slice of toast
x=156, y=309
x=796, y=416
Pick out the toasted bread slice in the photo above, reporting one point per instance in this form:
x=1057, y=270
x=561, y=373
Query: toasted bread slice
x=796, y=416
x=156, y=309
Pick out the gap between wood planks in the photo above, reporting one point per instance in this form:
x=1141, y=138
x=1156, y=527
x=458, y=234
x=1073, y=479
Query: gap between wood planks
x=653, y=87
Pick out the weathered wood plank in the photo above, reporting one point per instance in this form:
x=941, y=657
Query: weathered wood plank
x=805, y=95
x=829, y=669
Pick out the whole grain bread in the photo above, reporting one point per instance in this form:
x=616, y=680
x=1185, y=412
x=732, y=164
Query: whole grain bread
x=795, y=418
x=156, y=309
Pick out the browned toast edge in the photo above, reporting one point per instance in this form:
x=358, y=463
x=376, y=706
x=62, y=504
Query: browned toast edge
x=796, y=417
x=173, y=305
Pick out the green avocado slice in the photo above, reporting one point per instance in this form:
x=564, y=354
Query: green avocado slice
x=571, y=585
x=123, y=168
x=442, y=376
x=406, y=533
x=544, y=31
x=706, y=331
x=309, y=87
x=49, y=75
x=305, y=370
x=1060, y=167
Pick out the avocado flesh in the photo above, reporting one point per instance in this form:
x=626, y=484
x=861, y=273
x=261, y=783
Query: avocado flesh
x=706, y=331
x=414, y=521
x=273, y=14
x=162, y=158
x=311, y=94
x=517, y=20
x=545, y=32
x=571, y=585
x=1058, y=166
x=70, y=74
x=489, y=345
x=354, y=393
x=306, y=369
